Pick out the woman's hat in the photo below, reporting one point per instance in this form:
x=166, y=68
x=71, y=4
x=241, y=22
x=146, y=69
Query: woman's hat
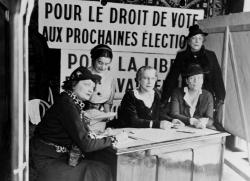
x=101, y=50
x=194, y=30
x=194, y=69
x=83, y=73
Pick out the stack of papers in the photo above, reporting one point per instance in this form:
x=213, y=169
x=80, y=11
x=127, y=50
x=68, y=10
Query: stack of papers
x=159, y=135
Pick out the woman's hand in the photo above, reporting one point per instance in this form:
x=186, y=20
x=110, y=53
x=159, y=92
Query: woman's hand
x=200, y=123
x=177, y=123
x=165, y=124
x=87, y=119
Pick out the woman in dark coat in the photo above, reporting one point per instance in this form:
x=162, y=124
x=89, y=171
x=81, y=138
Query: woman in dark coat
x=196, y=53
x=64, y=128
x=140, y=107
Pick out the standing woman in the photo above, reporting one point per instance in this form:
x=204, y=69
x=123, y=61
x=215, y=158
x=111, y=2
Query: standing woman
x=198, y=54
x=103, y=96
x=140, y=107
x=63, y=129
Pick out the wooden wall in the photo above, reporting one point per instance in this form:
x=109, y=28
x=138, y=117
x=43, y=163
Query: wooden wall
x=232, y=48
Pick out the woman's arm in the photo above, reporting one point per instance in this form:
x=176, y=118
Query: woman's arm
x=210, y=109
x=108, y=104
x=70, y=119
x=176, y=103
x=218, y=83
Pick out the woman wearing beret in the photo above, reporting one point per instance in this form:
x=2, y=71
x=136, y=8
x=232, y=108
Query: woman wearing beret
x=193, y=105
x=62, y=139
x=140, y=107
x=103, y=95
x=197, y=53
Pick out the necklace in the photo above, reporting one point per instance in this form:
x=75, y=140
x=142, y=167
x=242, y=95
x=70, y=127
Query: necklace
x=77, y=101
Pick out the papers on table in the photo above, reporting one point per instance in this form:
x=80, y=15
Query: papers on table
x=159, y=135
x=142, y=136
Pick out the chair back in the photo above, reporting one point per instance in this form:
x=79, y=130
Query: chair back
x=37, y=109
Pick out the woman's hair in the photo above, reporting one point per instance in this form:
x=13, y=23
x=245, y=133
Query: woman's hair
x=141, y=70
x=69, y=85
x=100, y=50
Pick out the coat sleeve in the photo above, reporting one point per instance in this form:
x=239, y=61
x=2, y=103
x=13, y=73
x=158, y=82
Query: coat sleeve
x=171, y=81
x=71, y=121
x=218, y=83
x=210, y=106
x=175, y=111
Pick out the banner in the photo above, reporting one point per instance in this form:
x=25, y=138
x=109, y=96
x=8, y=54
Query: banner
x=138, y=35
x=123, y=67
x=72, y=24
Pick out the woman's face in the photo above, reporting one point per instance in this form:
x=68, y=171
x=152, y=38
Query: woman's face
x=101, y=64
x=195, y=82
x=84, y=89
x=196, y=42
x=147, y=80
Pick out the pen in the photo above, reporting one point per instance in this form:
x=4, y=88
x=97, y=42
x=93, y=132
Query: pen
x=185, y=131
x=131, y=137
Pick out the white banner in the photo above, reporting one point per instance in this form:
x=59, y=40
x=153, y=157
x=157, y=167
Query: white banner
x=123, y=66
x=73, y=24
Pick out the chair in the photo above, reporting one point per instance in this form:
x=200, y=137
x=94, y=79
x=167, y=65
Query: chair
x=37, y=109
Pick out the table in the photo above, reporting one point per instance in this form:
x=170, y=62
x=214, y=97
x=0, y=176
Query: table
x=174, y=155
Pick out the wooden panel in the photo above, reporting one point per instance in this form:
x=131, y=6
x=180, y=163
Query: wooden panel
x=175, y=166
x=208, y=163
x=233, y=119
x=195, y=159
x=137, y=166
x=235, y=109
x=222, y=21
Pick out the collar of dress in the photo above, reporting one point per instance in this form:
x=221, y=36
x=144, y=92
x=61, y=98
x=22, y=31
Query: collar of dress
x=187, y=97
x=76, y=100
x=147, y=100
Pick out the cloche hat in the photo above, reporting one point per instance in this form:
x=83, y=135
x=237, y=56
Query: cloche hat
x=194, y=69
x=194, y=30
x=82, y=73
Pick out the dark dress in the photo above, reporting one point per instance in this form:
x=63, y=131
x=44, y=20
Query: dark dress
x=62, y=126
x=133, y=112
x=207, y=59
x=181, y=110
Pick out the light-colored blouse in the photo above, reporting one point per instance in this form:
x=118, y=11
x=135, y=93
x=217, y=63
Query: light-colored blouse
x=188, y=99
x=104, y=92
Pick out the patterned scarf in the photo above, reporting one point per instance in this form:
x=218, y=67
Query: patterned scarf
x=77, y=101
x=80, y=103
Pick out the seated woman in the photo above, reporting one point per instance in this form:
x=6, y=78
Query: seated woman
x=102, y=98
x=64, y=128
x=193, y=105
x=140, y=107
